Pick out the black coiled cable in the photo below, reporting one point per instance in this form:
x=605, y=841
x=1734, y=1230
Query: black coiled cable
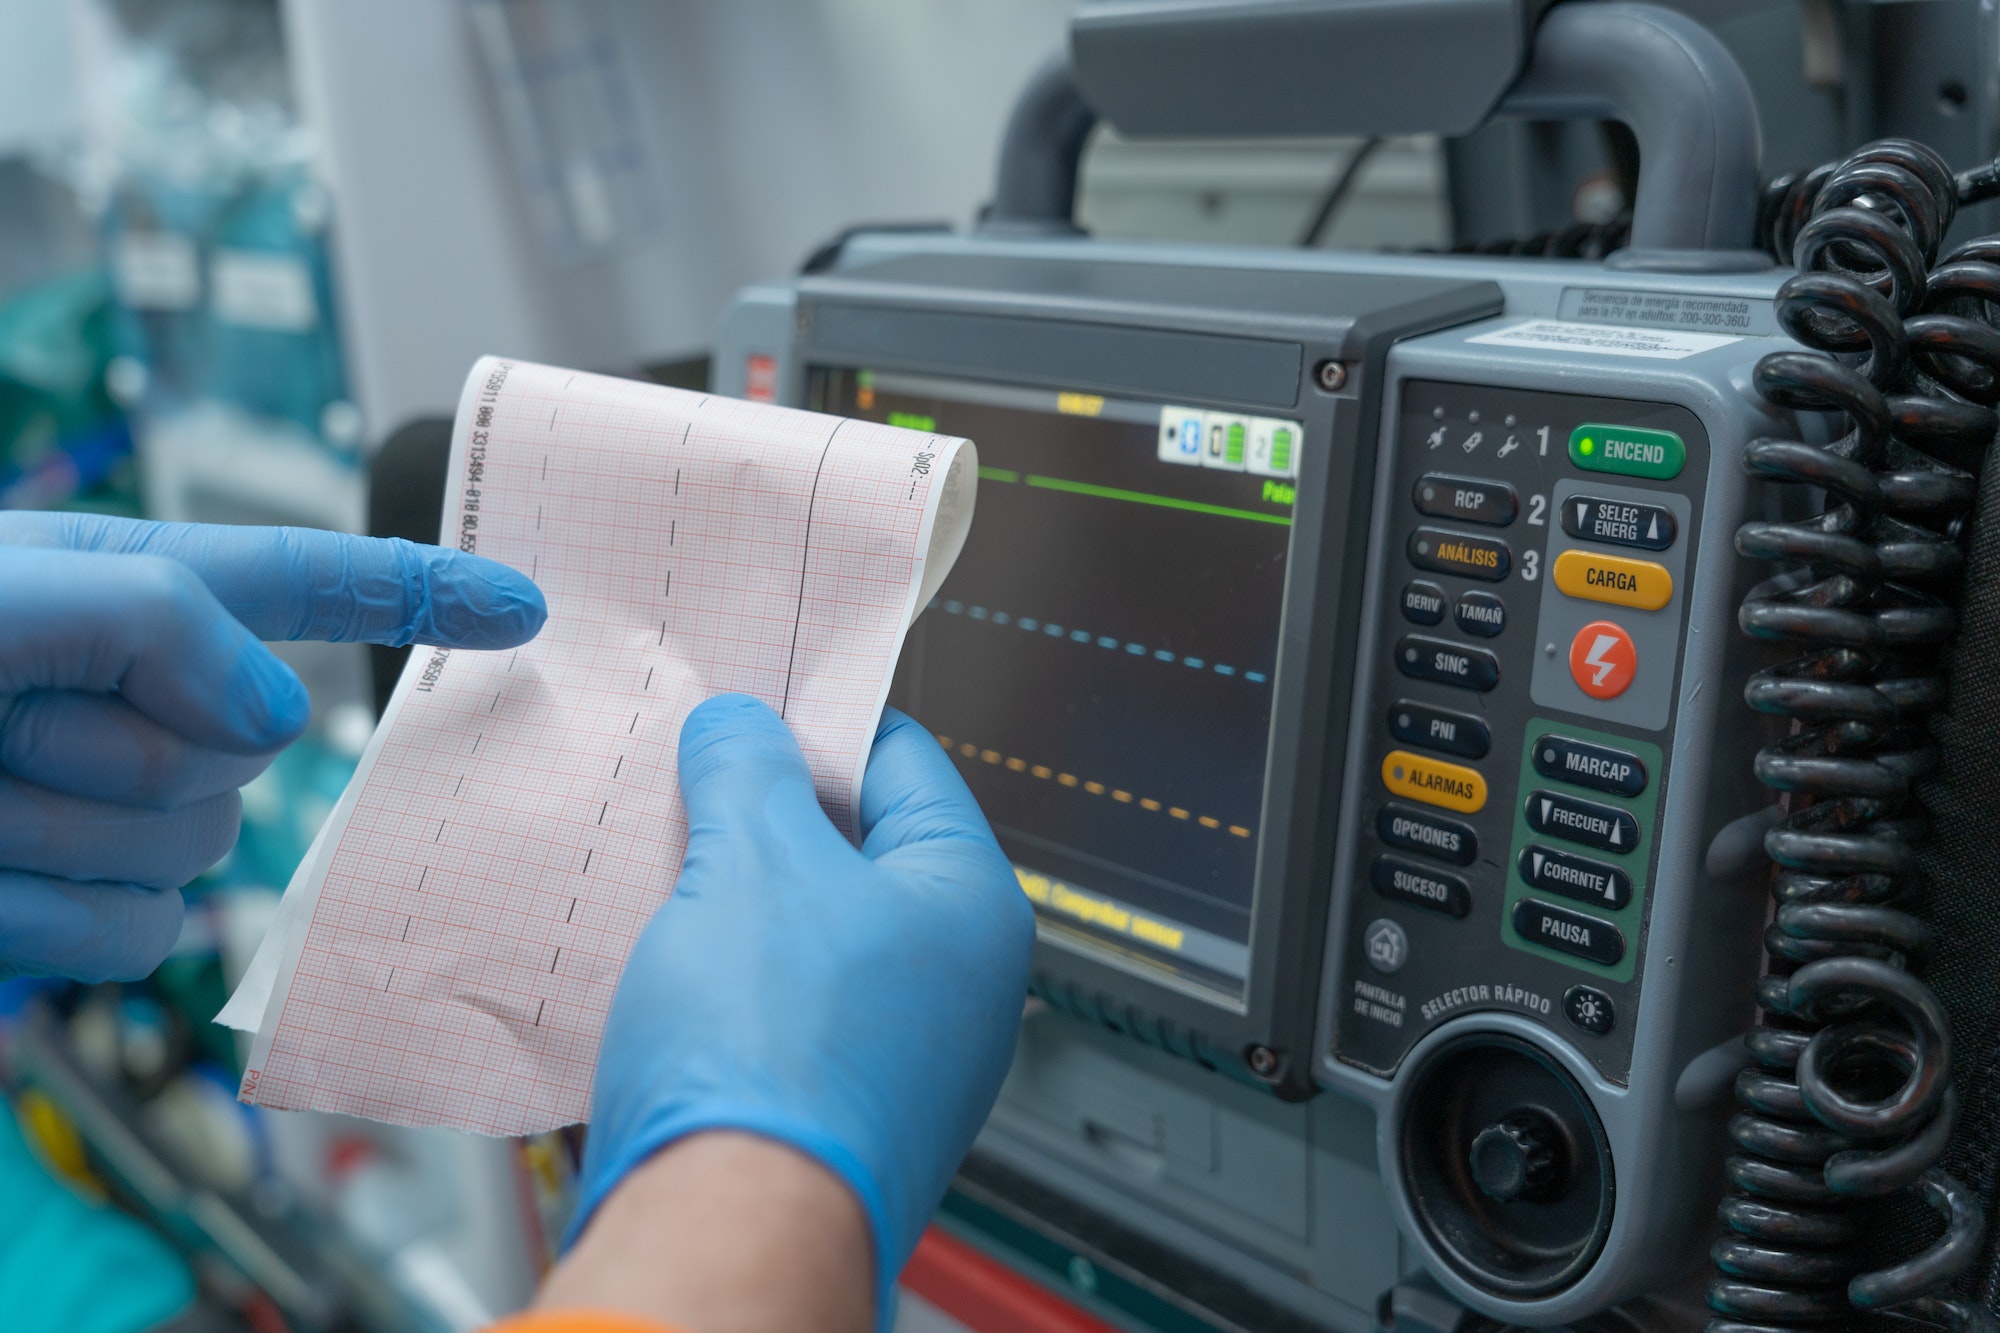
x=1849, y=1096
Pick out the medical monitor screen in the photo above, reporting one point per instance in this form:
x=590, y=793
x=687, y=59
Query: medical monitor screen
x=1100, y=663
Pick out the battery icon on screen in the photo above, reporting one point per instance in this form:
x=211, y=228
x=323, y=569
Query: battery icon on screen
x=1281, y=449
x=1235, y=454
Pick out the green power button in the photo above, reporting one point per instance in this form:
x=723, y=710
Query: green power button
x=1627, y=449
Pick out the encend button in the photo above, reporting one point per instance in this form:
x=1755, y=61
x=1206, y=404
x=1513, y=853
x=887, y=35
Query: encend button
x=1628, y=450
x=1620, y=580
x=1434, y=782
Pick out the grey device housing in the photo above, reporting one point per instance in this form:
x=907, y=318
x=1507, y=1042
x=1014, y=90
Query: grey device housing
x=1285, y=1212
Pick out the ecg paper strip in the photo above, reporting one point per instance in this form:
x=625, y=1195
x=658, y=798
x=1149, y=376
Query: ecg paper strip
x=460, y=925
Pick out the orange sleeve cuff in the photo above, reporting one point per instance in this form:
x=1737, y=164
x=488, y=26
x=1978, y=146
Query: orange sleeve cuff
x=579, y=1321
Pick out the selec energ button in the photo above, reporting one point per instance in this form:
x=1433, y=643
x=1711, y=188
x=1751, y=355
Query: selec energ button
x=1440, y=729
x=1618, y=522
x=1423, y=658
x=1480, y=613
x=1445, y=552
x=1418, y=777
x=1617, y=579
x=1591, y=823
x=1568, y=932
x=1423, y=602
x=1408, y=882
x=1577, y=877
x=1588, y=765
x=1466, y=498
x=1433, y=835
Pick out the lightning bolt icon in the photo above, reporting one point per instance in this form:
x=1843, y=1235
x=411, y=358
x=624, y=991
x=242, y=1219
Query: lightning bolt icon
x=1595, y=657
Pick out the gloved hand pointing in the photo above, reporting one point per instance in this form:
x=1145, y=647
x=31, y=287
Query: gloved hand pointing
x=135, y=699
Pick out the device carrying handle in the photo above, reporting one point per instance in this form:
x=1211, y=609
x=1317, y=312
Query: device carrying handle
x=1041, y=153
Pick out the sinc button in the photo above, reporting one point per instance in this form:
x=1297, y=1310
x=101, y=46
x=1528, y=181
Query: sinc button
x=1630, y=450
x=1576, y=877
x=1422, y=658
x=1408, y=882
x=1440, y=729
x=1617, y=579
x=1416, y=830
x=1574, y=819
x=1588, y=765
x=1423, y=603
x=1466, y=498
x=1603, y=660
x=1418, y=777
x=1648, y=527
x=1445, y=552
x=1480, y=613
x=1568, y=932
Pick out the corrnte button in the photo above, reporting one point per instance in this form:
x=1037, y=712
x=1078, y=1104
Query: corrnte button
x=1573, y=876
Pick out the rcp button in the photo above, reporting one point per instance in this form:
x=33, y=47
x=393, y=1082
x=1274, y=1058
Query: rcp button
x=1618, y=579
x=1603, y=660
x=1418, y=777
x=1423, y=603
x=1590, y=1009
x=1573, y=876
x=1440, y=729
x=1445, y=552
x=1422, y=658
x=1568, y=932
x=1468, y=499
x=1480, y=613
x=1407, y=882
x=1587, y=764
x=1415, y=830
x=1618, y=522
x=1573, y=819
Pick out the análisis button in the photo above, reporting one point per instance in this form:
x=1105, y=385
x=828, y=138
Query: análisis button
x=1407, y=882
x=1480, y=613
x=1588, y=764
x=1418, y=777
x=1644, y=585
x=1573, y=876
x=1445, y=552
x=1618, y=522
x=1423, y=602
x=1468, y=499
x=1440, y=729
x=1568, y=932
x=1630, y=450
x=1415, y=830
x=1592, y=823
x=1423, y=658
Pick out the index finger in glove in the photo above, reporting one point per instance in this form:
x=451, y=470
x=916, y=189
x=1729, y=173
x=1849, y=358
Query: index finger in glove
x=302, y=583
x=100, y=747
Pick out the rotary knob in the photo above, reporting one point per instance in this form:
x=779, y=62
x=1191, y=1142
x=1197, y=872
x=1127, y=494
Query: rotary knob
x=1518, y=1158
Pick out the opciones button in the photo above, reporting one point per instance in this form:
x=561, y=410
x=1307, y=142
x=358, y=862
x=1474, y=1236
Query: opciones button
x=1423, y=658
x=1440, y=729
x=1408, y=882
x=1418, y=777
x=1466, y=498
x=1574, y=819
x=1576, y=877
x=1480, y=613
x=1568, y=932
x=1603, y=661
x=1423, y=603
x=1590, y=765
x=1433, y=835
x=1619, y=522
x=1590, y=1009
x=1631, y=450
x=1446, y=552
x=1386, y=946
x=1617, y=579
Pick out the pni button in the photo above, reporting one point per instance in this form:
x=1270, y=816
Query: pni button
x=1590, y=1009
x=1416, y=830
x=1577, y=877
x=1423, y=658
x=1618, y=522
x=1445, y=552
x=1408, y=882
x=1630, y=450
x=1466, y=498
x=1617, y=579
x=1589, y=765
x=1423, y=603
x=1418, y=777
x=1574, y=819
x=1603, y=661
x=1440, y=729
x=1480, y=613
x=1568, y=932
x=1385, y=945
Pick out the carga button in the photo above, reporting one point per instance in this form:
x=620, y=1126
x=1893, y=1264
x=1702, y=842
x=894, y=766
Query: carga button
x=1630, y=450
x=1617, y=579
x=1434, y=782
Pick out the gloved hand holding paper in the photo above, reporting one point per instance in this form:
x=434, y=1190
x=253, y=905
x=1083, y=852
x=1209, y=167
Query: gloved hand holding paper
x=448, y=950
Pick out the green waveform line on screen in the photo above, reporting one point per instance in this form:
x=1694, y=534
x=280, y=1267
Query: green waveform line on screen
x=1147, y=498
x=998, y=474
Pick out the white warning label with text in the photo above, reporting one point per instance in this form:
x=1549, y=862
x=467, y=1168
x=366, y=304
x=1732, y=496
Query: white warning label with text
x=1604, y=339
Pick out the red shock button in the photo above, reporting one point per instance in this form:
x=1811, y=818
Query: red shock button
x=1603, y=660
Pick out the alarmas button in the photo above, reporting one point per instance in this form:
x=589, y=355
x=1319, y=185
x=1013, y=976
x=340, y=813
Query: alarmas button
x=1407, y=882
x=1466, y=498
x=1440, y=729
x=1445, y=552
x=1416, y=830
x=1422, y=658
x=1617, y=579
x=1568, y=932
x=1589, y=765
x=1578, y=877
x=1418, y=777
x=1618, y=522
x=1574, y=819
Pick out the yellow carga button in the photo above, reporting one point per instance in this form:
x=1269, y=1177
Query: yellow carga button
x=1433, y=781
x=1616, y=579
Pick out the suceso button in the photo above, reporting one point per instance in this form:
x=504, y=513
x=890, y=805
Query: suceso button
x=1406, y=881
x=1603, y=661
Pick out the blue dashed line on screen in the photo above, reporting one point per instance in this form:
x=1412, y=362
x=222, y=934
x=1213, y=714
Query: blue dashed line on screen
x=1106, y=641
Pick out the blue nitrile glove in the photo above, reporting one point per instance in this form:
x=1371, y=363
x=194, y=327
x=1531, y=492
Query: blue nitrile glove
x=135, y=699
x=860, y=1006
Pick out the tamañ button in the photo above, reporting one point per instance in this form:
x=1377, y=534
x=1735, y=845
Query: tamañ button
x=1603, y=660
x=1434, y=782
x=1618, y=579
